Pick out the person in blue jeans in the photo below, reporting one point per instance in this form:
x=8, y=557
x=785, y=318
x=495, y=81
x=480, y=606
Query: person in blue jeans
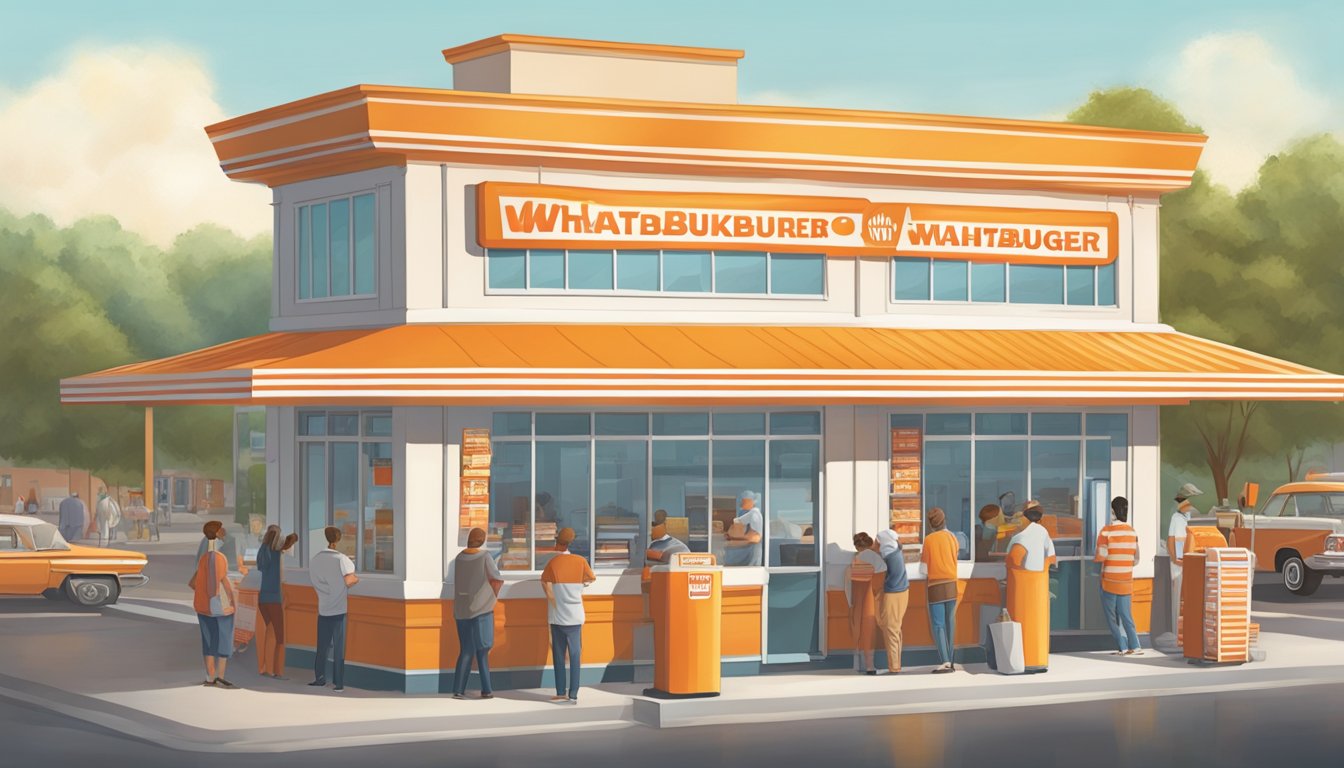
x=476, y=584
x=564, y=579
x=332, y=574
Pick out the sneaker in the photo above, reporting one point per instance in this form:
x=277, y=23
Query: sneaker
x=209, y=683
x=318, y=683
x=559, y=698
x=459, y=696
x=573, y=701
x=1135, y=652
x=487, y=695
x=222, y=683
x=339, y=689
x=871, y=672
x=942, y=670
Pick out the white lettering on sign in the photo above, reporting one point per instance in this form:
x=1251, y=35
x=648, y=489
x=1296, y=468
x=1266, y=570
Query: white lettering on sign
x=700, y=586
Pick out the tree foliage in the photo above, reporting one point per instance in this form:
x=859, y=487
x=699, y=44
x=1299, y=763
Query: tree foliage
x=91, y=296
x=1259, y=269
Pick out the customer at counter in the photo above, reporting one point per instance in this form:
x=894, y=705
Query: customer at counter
x=940, y=568
x=895, y=596
x=662, y=546
x=743, y=546
x=866, y=574
x=987, y=531
x=1030, y=555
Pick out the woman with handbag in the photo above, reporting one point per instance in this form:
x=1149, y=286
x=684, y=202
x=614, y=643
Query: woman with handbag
x=214, y=599
x=270, y=602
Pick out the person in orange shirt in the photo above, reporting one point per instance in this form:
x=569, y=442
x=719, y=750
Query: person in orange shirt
x=940, y=573
x=1118, y=553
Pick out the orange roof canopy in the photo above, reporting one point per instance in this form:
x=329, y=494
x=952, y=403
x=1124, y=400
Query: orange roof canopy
x=705, y=365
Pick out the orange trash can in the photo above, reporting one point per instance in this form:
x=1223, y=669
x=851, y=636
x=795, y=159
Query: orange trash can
x=686, y=601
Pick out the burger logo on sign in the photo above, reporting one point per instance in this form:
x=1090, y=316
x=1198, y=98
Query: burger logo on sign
x=882, y=226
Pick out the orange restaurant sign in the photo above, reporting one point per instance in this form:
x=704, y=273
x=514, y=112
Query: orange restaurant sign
x=543, y=216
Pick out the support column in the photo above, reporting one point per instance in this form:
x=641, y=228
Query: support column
x=151, y=500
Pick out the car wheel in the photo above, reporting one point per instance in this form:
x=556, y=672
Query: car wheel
x=1298, y=578
x=92, y=591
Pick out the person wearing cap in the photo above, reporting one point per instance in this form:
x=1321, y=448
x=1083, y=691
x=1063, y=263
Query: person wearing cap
x=563, y=580
x=1180, y=520
x=744, y=537
x=1030, y=554
x=895, y=596
x=476, y=584
x=939, y=557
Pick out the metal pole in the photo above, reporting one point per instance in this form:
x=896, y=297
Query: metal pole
x=151, y=499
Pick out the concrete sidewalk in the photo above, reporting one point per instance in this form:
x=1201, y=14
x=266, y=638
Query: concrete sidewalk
x=153, y=691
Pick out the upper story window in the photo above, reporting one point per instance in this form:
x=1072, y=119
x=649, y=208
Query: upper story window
x=945, y=280
x=737, y=273
x=336, y=248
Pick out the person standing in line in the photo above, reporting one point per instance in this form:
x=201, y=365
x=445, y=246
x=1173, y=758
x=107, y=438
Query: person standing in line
x=107, y=516
x=213, y=599
x=476, y=584
x=1180, y=520
x=32, y=505
x=564, y=579
x=895, y=597
x=939, y=557
x=228, y=546
x=18, y=505
x=866, y=575
x=1031, y=553
x=270, y=602
x=1118, y=553
x=73, y=518
x=332, y=574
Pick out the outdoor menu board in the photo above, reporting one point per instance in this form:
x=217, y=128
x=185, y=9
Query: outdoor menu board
x=474, y=506
x=907, y=444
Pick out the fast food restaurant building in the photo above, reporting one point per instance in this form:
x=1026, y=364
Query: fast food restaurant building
x=587, y=284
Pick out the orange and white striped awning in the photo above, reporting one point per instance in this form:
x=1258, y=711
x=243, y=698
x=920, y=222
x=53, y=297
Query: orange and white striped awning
x=485, y=364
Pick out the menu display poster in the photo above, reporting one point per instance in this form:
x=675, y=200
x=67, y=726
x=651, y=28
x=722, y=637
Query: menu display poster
x=906, y=510
x=474, y=498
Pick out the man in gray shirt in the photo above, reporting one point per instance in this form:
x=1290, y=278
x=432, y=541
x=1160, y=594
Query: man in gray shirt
x=476, y=583
x=74, y=518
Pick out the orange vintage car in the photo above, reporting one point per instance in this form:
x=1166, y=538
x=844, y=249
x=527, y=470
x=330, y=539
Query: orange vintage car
x=1289, y=532
x=36, y=560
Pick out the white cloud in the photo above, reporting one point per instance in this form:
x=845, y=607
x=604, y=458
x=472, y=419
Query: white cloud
x=120, y=131
x=1247, y=98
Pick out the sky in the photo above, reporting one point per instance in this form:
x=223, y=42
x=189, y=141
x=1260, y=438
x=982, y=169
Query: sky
x=102, y=104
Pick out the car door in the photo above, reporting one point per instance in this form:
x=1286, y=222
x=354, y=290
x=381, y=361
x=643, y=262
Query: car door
x=23, y=571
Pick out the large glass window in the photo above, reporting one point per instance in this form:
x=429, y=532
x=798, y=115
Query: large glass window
x=346, y=475
x=954, y=280
x=689, y=468
x=738, y=273
x=337, y=255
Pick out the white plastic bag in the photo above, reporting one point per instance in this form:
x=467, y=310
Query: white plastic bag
x=1007, y=637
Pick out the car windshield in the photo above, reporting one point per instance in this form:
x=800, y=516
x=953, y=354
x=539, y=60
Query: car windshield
x=47, y=536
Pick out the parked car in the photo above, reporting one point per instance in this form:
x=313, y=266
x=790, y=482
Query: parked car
x=1289, y=532
x=36, y=560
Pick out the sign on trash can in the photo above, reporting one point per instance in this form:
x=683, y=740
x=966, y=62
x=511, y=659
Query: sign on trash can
x=1007, y=639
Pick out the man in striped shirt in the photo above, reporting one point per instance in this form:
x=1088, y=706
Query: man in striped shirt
x=1118, y=553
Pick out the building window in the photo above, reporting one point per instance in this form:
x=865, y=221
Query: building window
x=633, y=272
x=337, y=255
x=945, y=280
x=608, y=475
x=346, y=474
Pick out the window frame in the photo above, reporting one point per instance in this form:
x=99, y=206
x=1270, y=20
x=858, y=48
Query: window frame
x=359, y=440
x=650, y=439
x=299, y=208
x=661, y=291
x=970, y=299
x=974, y=437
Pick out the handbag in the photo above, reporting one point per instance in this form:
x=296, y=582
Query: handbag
x=219, y=602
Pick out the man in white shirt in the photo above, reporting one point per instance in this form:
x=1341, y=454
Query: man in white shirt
x=1180, y=520
x=332, y=574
